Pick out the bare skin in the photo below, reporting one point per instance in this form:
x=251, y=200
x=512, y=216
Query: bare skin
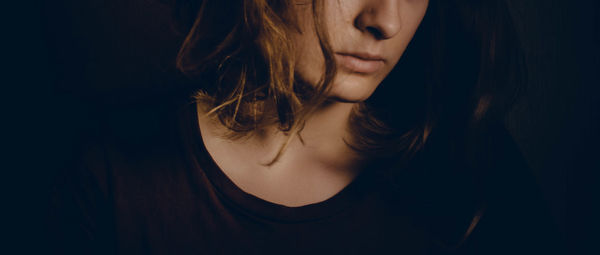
x=368, y=38
x=306, y=173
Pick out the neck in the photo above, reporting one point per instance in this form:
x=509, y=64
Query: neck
x=309, y=170
x=324, y=134
x=320, y=142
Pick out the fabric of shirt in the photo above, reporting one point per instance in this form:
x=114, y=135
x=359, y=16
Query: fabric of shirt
x=147, y=185
x=161, y=193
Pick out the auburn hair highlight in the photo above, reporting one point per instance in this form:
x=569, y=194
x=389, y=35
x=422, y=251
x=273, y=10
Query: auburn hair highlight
x=460, y=73
x=242, y=54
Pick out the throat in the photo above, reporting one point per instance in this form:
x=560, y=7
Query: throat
x=310, y=170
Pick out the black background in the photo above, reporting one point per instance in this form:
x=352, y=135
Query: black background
x=69, y=59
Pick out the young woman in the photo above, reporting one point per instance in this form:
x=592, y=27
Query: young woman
x=330, y=127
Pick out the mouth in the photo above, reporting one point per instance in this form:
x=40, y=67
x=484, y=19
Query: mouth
x=362, y=63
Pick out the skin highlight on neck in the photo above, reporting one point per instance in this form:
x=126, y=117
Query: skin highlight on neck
x=311, y=169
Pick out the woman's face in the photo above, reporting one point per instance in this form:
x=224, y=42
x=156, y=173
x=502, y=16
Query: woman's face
x=367, y=37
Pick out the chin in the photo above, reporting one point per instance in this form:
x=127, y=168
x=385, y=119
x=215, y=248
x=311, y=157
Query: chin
x=346, y=87
x=353, y=88
x=351, y=91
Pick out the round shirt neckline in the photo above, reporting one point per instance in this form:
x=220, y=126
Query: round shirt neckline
x=255, y=206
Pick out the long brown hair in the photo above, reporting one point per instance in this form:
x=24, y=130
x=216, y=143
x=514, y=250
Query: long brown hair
x=461, y=72
x=463, y=64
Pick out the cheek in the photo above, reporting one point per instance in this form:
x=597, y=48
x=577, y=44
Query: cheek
x=309, y=59
x=309, y=63
x=350, y=87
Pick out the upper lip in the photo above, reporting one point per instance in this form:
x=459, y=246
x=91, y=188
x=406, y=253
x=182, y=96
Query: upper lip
x=363, y=56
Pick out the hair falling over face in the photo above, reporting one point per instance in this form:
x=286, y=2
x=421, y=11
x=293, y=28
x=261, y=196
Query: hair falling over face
x=460, y=72
x=246, y=65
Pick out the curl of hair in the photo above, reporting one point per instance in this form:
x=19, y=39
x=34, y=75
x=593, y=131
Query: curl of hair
x=245, y=60
x=462, y=69
x=461, y=72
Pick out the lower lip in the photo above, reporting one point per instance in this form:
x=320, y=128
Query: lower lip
x=359, y=65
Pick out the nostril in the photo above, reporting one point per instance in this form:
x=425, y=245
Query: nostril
x=375, y=32
x=376, y=28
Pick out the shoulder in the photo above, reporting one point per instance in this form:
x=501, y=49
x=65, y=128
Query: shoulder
x=131, y=143
x=516, y=217
x=498, y=185
x=119, y=165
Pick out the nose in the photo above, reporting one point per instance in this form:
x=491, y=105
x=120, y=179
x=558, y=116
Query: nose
x=380, y=18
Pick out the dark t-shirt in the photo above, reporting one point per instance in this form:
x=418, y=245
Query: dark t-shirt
x=148, y=186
